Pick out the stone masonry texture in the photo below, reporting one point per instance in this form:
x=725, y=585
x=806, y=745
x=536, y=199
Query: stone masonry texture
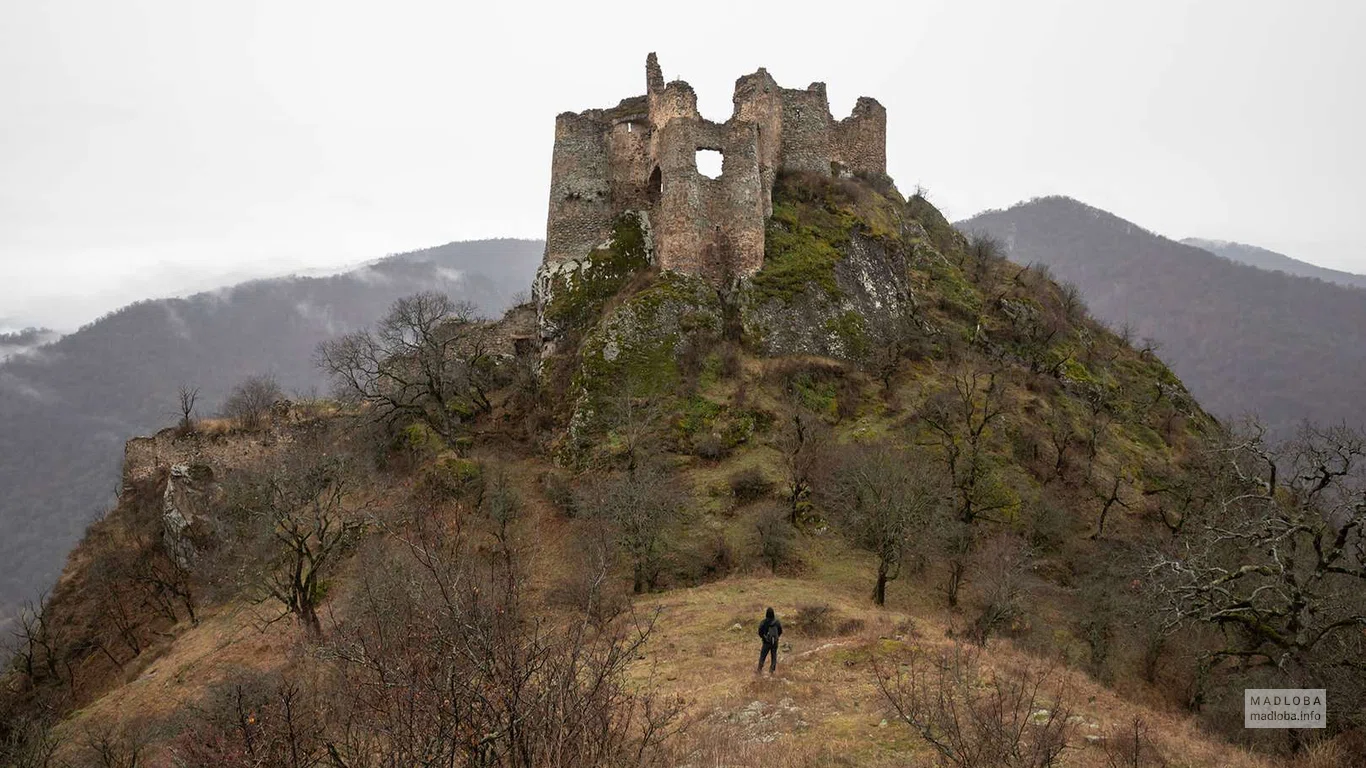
x=642, y=155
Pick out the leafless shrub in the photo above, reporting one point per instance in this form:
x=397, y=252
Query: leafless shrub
x=109, y=746
x=710, y=447
x=1130, y=746
x=749, y=485
x=474, y=679
x=1002, y=563
x=776, y=536
x=640, y=506
x=256, y=719
x=248, y=405
x=28, y=743
x=973, y=718
x=591, y=589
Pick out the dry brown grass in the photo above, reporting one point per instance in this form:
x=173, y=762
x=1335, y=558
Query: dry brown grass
x=822, y=708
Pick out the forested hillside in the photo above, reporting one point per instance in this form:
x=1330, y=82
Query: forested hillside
x=66, y=408
x=1276, y=262
x=1244, y=339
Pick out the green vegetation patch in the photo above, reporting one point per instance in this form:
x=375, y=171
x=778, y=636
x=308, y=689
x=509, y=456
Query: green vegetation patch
x=852, y=331
x=577, y=297
x=813, y=219
x=634, y=351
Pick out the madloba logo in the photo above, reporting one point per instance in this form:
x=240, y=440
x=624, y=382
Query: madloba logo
x=1285, y=708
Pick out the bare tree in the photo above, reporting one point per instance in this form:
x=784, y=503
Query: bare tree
x=474, y=680
x=1003, y=562
x=975, y=719
x=430, y=360
x=36, y=648
x=249, y=402
x=960, y=420
x=1131, y=746
x=775, y=536
x=887, y=500
x=187, y=396
x=1276, y=559
x=641, y=506
x=804, y=443
x=1061, y=438
x=294, y=518
x=1109, y=498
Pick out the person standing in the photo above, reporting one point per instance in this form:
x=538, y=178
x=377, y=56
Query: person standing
x=770, y=629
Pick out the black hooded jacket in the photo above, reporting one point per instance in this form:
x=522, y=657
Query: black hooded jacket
x=770, y=621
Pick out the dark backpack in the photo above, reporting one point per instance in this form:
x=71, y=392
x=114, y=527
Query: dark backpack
x=771, y=633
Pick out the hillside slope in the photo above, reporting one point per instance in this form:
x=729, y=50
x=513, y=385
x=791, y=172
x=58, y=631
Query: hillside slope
x=66, y=408
x=1244, y=339
x=951, y=487
x=1276, y=262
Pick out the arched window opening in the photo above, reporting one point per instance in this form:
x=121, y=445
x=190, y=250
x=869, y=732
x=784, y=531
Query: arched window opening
x=655, y=187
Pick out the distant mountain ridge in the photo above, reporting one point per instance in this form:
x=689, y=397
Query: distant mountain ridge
x=1244, y=339
x=1278, y=262
x=67, y=407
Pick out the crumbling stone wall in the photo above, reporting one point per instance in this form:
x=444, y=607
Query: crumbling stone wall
x=641, y=155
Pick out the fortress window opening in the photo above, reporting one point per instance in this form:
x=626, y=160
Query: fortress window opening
x=709, y=162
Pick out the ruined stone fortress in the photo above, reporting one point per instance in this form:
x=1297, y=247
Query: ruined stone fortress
x=641, y=155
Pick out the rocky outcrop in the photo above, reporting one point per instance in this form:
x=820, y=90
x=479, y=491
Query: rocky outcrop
x=190, y=489
x=635, y=350
x=872, y=295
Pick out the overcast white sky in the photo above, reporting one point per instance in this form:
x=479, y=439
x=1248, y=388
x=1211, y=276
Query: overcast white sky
x=151, y=146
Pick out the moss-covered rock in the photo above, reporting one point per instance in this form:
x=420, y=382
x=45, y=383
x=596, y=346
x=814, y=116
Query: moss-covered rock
x=634, y=351
x=570, y=295
x=835, y=277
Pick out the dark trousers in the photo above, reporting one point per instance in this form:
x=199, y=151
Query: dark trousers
x=773, y=662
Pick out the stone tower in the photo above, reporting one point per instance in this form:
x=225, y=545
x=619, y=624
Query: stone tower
x=641, y=155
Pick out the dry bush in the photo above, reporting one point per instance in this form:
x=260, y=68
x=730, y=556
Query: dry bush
x=820, y=620
x=710, y=447
x=1131, y=746
x=109, y=746
x=591, y=590
x=749, y=485
x=1002, y=564
x=256, y=719
x=775, y=537
x=641, y=506
x=248, y=405
x=558, y=491
x=27, y=743
x=974, y=718
x=474, y=679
